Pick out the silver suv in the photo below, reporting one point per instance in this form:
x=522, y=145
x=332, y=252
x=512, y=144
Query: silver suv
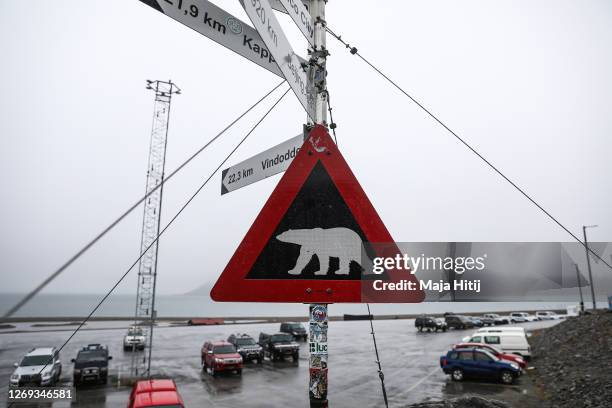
x=134, y=339
x=40, y=367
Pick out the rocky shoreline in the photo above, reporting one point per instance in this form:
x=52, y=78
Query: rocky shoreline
x=573, y=361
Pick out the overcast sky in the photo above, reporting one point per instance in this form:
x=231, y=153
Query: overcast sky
x=526, y=83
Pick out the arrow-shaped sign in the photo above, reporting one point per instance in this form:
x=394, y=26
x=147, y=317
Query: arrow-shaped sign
x=278, y=6
x=261, y=15
x=221, y=27
x=302, y=18
x=267, y=163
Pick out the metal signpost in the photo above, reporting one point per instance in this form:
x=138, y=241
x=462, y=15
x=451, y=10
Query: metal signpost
x=268, y=163
x=318, y=317
x=262, y=16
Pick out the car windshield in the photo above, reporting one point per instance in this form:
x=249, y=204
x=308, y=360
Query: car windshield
x=277, y=338
x=296, y=326
x=91, y=355
x=135, y=331
x=245, y=342
x=36, y=360
x=225, y=349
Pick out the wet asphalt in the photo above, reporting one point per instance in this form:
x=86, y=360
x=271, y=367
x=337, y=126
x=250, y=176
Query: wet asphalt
x=410, y=364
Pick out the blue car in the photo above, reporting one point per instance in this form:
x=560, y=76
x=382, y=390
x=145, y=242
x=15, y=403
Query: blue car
x=475, y=362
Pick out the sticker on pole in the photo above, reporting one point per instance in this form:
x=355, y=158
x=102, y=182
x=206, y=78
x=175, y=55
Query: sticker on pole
x=311, y=242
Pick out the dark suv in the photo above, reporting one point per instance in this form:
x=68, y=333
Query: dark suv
x=458, y=322
x=247, y=347
x=279, y=345
x=295, y=329
x=478, y=363
x=430, y=323
x=91, y=364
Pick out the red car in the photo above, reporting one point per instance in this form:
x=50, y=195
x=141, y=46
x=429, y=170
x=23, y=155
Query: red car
x=220, y=356
x=504, y=356
x=155, y=393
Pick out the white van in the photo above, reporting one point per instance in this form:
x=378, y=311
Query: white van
x=508, y=342
x=501, y=330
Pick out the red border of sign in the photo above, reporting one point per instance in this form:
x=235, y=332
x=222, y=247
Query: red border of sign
x=232, y=286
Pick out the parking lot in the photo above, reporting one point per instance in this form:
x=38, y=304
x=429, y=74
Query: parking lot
x=410, y=363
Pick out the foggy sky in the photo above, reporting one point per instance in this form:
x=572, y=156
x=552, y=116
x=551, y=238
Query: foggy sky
x=526, y=83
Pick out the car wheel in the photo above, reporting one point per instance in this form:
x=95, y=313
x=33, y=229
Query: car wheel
x=457, y=374
x=507, y=377
x=212, y=371
x=259, y=360
x=444, y=329
x=296, y=356
x=420, y=328
x=239, y=371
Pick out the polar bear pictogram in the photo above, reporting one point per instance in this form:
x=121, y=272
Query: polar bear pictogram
x=342, y=243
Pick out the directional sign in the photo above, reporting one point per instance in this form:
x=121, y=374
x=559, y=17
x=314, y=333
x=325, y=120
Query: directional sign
x=278, y=6
x=306, y=244
x=220, y=26
x=266, y=24
x=301, y=16
x=273, y=161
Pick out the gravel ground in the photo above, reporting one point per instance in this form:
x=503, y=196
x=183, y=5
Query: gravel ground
x=464, y=402
x=573, y=362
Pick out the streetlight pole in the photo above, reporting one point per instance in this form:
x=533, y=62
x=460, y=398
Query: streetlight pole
x=586, y=246
x=579, y=288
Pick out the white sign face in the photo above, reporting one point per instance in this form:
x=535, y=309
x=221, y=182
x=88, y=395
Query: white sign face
x=301, y=16
x=266, y=24
x=220, y=26
x=278, y=6
x=268, y=163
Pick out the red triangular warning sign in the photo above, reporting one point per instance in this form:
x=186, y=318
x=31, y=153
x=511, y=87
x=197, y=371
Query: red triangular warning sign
x=315, y=239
